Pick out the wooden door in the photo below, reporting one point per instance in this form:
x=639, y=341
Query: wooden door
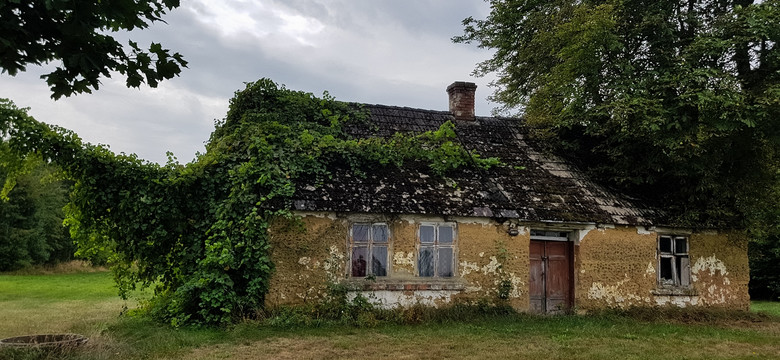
x=550, y=276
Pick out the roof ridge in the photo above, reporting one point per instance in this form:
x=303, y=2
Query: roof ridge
x=401, y=108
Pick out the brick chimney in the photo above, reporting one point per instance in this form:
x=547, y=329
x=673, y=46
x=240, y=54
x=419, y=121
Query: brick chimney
x=462, y=99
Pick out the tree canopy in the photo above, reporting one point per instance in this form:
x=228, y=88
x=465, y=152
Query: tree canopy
x=676, y=101
x=77, y=33
x=31, y=231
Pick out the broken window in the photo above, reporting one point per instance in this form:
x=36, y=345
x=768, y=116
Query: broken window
x=674, y=268
x=436, y=256
x=369, y=250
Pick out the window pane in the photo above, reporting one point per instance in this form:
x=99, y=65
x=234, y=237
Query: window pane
x=681, y=245
x=685, y=270
x=549, y=235
x=379, y=261
x=360, y=233
x=359, y=260
x=426, y=234
x=380, y=233
x=445, y=235
x=666, y=271
x=445, y=262
x=665, y=244
x=425, y=261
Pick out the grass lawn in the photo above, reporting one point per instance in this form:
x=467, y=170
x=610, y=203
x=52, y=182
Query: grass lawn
x=35, y=304
x=767, y=307
x=87, y=304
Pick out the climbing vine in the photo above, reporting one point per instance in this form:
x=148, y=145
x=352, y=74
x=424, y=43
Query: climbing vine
x=198, y=233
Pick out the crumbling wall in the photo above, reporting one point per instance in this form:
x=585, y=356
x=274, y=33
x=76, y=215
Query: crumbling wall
x=618, y=268
x=615, y=267
x=307, y=254
x=719, y=269
x=493, y=263
x=313, y=252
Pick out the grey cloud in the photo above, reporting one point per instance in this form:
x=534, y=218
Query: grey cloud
x=386, y=52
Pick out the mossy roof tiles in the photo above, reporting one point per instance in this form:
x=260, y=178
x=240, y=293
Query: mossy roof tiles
x=533, y=186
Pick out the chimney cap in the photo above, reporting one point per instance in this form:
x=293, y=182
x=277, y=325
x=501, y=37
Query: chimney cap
x=462, y=85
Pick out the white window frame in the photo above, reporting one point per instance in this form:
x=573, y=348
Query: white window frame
x=436, y=246
x=681, y=278
x=370, y=245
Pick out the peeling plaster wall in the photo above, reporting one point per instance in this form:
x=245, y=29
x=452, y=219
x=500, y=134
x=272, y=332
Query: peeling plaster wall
x=617, y=268
x=613, y=266
x=307, y=260
x=719, y=269
x=481, y=248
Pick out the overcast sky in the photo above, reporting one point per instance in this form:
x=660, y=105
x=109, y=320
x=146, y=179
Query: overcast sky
x=393, y=52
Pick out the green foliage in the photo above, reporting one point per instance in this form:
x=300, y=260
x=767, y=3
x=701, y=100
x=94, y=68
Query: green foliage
x=675, y=101
x=335, y=308
x=31, y=231
x=764, y=256
x=504, y=282
x=199, y=232
x=77, y=34
x=338, y=307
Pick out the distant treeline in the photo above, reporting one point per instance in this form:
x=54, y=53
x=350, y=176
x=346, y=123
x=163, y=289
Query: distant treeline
x=31, y=229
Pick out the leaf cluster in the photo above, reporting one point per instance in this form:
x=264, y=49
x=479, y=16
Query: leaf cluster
x=77, y=33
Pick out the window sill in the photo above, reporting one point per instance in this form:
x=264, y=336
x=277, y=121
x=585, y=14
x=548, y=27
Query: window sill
x=389, y=284
x=675, y=291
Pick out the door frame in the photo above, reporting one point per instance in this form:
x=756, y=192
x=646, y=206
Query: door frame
x=570, y=244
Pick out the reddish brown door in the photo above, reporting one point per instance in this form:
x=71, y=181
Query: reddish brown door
x=550, y=276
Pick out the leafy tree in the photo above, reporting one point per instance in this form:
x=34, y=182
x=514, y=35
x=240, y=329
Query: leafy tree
x=31, y=230
x=77, y=34
x=675, y=101
x=661, y=97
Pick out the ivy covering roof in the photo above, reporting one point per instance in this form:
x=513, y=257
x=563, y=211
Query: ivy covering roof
x=530, y=186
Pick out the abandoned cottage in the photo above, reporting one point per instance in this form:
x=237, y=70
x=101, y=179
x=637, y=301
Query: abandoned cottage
x=534, y=232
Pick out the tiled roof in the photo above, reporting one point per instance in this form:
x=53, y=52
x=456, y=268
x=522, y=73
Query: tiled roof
x=533, y=186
